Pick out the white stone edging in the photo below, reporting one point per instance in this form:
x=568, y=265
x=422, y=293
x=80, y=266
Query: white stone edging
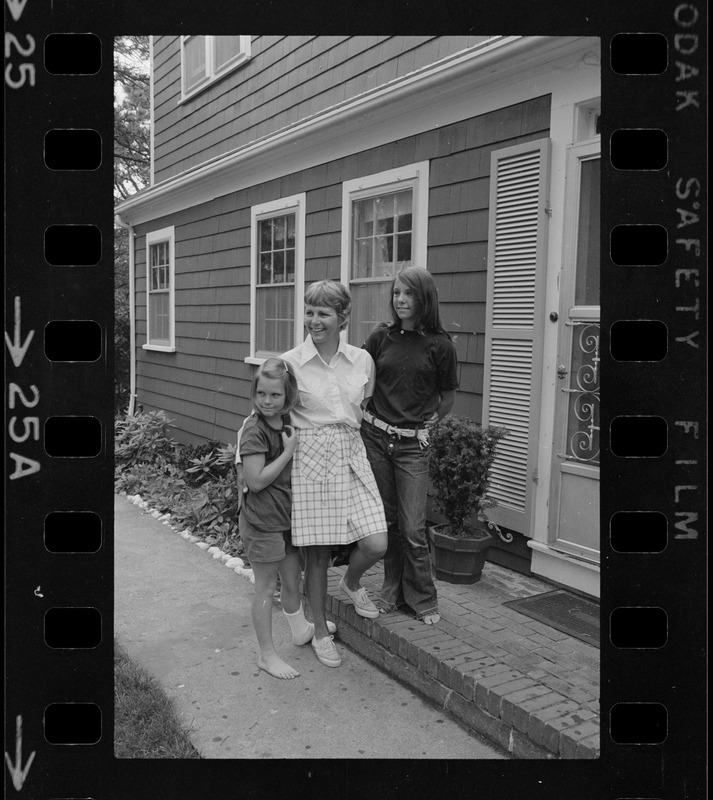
x=232, y=562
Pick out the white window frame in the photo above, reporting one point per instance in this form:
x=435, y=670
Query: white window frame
x=157, y=237
x=414, y=176
x=296, y=204
x=211, y=74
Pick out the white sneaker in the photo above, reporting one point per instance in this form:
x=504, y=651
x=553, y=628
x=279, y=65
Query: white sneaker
x=326, y=651
x=308, y=634
x=362, y=604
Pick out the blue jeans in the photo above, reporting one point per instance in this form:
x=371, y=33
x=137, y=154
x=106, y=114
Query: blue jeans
x=400, y=467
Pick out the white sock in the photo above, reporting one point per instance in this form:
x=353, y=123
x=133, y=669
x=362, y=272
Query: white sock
x=302, y=630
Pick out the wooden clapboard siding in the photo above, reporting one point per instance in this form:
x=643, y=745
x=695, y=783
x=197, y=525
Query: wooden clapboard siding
x=286, y=80
x=207, y=375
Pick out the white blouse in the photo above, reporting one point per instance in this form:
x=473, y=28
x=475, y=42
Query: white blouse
x=330, y=394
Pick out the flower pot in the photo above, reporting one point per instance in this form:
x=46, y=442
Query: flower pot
x=459, y=559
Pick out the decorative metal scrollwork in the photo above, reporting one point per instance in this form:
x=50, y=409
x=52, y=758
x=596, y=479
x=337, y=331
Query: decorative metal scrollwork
x=583, y=425
x=506, y=537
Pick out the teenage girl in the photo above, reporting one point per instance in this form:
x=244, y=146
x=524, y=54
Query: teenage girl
x=266, y=446
x=416, y=381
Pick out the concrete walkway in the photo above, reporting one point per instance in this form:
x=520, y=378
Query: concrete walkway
x=528, y=688
x=186, y=618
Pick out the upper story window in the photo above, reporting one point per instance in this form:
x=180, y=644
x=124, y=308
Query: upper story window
x=384, y=229
x=277, y=281
x=205, y=59
x=160, y=290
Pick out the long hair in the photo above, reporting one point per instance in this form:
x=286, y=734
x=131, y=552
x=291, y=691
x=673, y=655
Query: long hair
x=277, y=368
x=330, y=294
x=425, y=294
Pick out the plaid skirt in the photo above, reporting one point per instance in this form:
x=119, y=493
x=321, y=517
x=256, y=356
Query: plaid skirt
x=335, y=499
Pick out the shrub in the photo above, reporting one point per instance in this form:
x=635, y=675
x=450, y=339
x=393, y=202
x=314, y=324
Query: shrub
x=216, y=464
x=143, y=438
x=195, y=484
x=461, y=454
x=187, y=453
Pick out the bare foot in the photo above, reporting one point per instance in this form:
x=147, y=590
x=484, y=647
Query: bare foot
x=275, y=666
x=432, y=619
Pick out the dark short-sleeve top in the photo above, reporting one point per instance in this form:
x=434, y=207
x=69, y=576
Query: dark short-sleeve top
x=270, y=508
x=412, y=370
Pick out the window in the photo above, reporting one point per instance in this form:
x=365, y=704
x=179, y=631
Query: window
x=277, y=284
x=207, y=58
x=384, y=228
x=160, y=315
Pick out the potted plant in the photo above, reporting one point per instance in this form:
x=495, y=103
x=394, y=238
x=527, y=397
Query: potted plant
x=461, y=454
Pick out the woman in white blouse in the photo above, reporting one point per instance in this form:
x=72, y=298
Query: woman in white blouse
x=335, y=499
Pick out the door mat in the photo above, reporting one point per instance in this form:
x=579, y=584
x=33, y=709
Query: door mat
x=564, y=612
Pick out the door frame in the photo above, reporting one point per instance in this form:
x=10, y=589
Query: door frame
x=577, y=153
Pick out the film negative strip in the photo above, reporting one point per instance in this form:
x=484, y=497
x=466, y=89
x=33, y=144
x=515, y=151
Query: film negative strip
x=60, y=395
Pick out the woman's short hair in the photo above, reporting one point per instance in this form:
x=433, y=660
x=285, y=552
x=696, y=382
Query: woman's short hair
x=330, y=294
x=278, y=368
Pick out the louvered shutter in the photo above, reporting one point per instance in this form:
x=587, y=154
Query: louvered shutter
x=513, y=339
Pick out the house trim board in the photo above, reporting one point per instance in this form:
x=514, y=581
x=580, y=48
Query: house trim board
x=565, y=570
x=499, y=72
x=567, y=98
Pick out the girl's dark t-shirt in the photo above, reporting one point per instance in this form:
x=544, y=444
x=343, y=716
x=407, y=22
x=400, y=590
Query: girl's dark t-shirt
x=412, y=369
x=269, y=509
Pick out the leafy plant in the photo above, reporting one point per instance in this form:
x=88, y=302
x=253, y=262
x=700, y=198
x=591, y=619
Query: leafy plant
x=196, y=484
x=461, y=454
x=143, y=438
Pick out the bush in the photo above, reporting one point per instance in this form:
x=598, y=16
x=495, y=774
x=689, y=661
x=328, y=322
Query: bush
x=143, y=438
x=461, y=454
x=196, y=484
x=203, y=462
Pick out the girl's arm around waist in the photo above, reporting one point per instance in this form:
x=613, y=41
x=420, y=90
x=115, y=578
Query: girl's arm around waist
x=259, y=475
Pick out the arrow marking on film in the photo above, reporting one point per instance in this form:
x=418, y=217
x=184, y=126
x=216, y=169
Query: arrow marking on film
x=16, y=771
x=16, y=8
x=16, y=347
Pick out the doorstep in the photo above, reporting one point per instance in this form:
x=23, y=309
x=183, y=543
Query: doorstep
x=527, y=687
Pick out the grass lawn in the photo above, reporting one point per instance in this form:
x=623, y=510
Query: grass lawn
x=145, y=723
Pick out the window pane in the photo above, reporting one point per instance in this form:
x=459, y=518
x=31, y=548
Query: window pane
x=265, y=268
x=278, y=267
x=376, y=249
x=370, y=305
x=275, y=319
x=363, y=218
x=277, y=249
x=583, y=419
x=384, y=252
x=588, y=258
x=158, y=317
x=224, y=48
x=404, y=249
x=385, y=215
x=404, y=209
x=279, y=231
x=194, y=60
x=362, y=259
x=265, y=235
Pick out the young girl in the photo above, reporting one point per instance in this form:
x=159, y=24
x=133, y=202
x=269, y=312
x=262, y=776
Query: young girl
x=416, y=381
x=266, y=446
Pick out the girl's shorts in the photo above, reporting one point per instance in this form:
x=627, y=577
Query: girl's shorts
x=265, y=547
